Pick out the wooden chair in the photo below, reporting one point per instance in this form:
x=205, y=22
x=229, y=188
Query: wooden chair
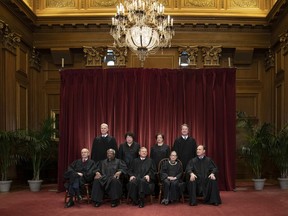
x=85, y=193
x=160, y=183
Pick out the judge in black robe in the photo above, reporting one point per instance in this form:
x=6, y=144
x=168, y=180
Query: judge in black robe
x=159, y=151
x=128, y=151
x=201, y=173
x=107, y=179
x=185, y=146
x=171, y=173
x=141, y=178
x=79, y=172
x=102, y=143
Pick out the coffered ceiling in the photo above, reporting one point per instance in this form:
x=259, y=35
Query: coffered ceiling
x=185, y=12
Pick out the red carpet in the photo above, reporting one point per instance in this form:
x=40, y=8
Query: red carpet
x=244, y=202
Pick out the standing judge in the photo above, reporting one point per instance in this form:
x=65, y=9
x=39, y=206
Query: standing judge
x=201, y=172
x=185, y=146
x=102, y=143
x=159, y=151
x=129, y=150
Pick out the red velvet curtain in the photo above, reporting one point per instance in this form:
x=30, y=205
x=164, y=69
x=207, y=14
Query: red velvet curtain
x=147, y=101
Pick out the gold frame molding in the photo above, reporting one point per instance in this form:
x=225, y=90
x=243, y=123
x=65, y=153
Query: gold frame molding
x=54, y=113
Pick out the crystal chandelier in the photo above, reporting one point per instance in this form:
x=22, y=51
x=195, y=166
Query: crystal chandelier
x=142, y=26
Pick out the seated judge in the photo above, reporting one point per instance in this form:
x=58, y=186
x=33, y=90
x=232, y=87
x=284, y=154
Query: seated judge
x=79, y=172
x=107, y=179
x=201, y=172
x=171, y=172
x=141, y=178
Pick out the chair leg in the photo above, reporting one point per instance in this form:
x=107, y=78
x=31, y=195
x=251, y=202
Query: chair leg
x=87, y=193
x=151, y=198
x=66, y=196
x=183, y=199
x=159, y=196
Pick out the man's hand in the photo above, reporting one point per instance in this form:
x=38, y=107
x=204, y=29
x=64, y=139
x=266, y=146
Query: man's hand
x=147, y=178
x=80, y=174
x=117, y=175
x=97, y=175
x=212, y=176
x=132, y=178
x=171, y=178
x=192, y=177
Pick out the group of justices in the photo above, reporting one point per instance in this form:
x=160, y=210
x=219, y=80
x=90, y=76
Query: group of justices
x=129, y=171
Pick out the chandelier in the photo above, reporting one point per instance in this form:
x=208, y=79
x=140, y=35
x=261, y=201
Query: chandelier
x=142, y=26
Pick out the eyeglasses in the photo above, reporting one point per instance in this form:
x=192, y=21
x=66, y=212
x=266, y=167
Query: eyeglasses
x=173, y=155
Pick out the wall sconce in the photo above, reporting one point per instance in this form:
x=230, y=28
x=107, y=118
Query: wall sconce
x=184, y=59
x=110, y=58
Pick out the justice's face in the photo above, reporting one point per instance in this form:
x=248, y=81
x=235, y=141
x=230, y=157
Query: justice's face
x=200, y=150
x=84, y=153
x=104, y=129
x=129, y=139
x=173, y=156
x=184, y=130
x=110, y=155
x=143, y=152
x=159, y=139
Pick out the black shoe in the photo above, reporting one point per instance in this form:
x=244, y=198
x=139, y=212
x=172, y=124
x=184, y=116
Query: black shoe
x=165, y=202
x=97, y=204
x=79, y=198
x=193, y=204
x=141, y=204
x=114, y=203
x=69, y=204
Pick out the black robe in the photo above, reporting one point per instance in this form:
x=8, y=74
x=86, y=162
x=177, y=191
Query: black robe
x=75, y=181
x=157, y=153
x=87, y=168
x=129, y=153
x=107, y=183
x=186, y=149
x=101, y=145
x=203, y=186
x=172, y=189
x=139, y=187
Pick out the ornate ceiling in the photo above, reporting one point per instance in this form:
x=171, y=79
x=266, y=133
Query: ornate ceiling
x=243, y=8
x=185, y=12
